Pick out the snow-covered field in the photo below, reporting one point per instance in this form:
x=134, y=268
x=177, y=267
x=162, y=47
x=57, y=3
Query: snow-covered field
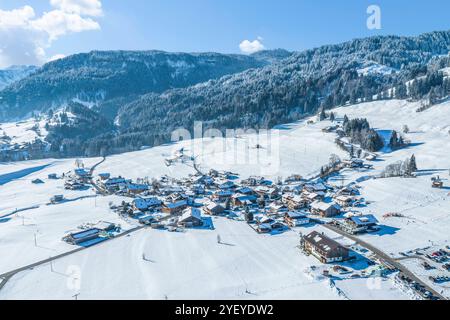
x=191, y=264
x=24, y=131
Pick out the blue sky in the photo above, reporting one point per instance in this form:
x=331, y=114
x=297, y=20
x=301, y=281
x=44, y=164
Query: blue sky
x=221, y=25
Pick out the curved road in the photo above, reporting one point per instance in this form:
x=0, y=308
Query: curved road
x=383, y=256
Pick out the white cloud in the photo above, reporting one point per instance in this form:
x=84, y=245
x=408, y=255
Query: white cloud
x=80, y=7
x=24, y=37
x=57, y=23
x=249, y=47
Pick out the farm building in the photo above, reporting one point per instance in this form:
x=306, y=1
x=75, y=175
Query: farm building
x=227, y=185
x=315, y=196
x=325, y=209
x=348, y=191
x=243, y=200
x=324, y=248
x=146, y=220
x=82, y=175
x=264, y=220
x=191, y=217
x=113, y=184
x=275, y=207
x=73, y=185
x=269, y=227
x=222, y=196
x=267, y=192
x=146, y=203
x=213, y=208
x=296, y=202
x=175, y=207
x=344, y=201
x=295, y=219
x=82, y=236
x=316, y=187
x=57, y=199
x=246, y=191
x=105, y=226
x=204, y=180
x=134, y=188
x=104, y=176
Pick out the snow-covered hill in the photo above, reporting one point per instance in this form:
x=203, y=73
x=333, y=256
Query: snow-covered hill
x=13, y=74
x=191, y=264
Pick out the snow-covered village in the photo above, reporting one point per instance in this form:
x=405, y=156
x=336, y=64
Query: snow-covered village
x=225, y=158
x=333, y=221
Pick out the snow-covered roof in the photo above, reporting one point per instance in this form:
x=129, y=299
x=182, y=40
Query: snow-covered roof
x=191, y=212
x=243, y=197
x=344, y=198
x=112, y=181
x=104, y=225
x=173, y=205
x=316, y=187
x=264, y=219
x=134, y=186
x=224, y=193
x=364, y=220
x=296, y=215
x=323, y=206
x=85, y=233
x=212, y=205
x=227, y=185
x=144, y=203
x=322, y=241
x=245, y=190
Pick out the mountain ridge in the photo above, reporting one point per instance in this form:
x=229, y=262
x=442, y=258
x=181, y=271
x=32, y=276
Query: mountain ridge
x=262, y=90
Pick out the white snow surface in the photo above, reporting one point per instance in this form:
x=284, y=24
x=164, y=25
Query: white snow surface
x=191, y=264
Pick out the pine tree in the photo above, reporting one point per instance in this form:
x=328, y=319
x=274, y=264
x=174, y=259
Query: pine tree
x=322, y=115
x=332, y=117
x=393, y=143
x=345, y=120
x=413, y=163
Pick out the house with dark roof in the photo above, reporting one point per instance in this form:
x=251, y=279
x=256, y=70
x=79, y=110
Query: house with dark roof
x=324, y=248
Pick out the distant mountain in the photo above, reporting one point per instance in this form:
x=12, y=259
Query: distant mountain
x=272, y=56
x=112, y=77
x=283, y=92
x=13, y=74
x=139, y=98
